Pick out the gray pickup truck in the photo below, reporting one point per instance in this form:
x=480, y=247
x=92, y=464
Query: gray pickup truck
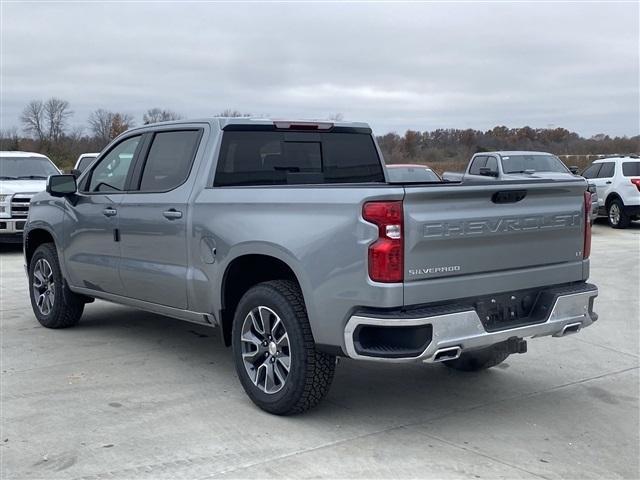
x=291, y=238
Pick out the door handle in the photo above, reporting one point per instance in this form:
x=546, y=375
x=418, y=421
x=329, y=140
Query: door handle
x=609, y=183
x=172, y=214
x=109, y=212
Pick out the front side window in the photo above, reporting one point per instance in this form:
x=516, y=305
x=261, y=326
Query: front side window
x=23, y=168
x=607, y=170
x=169, y=160
x=293, y=158
x=492, y=164
x=110, y=174
x=84, y=163
x=478, y=163
x=592, y=171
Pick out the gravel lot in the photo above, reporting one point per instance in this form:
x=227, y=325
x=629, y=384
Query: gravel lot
x=130, y=395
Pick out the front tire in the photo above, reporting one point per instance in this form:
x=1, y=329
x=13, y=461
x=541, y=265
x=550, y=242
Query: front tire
x=274, y=351
x=616, y=215
x=53, y=303
x=477, y=360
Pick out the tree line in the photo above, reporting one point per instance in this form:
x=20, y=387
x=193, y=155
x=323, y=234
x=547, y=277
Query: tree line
x=46, y=129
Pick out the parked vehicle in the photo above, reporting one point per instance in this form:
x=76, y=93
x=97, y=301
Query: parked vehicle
x=513, y=165
x=617, y=181
x=411, y=173
x=594, y=201
x=291, y=237
x=22, y=175
x=84, y=160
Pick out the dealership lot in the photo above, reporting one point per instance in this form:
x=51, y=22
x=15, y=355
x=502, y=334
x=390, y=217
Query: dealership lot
x=128, y=394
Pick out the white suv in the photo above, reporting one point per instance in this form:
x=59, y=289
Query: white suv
x=617, y=181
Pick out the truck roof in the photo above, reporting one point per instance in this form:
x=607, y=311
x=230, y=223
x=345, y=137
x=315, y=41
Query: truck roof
x=224, y=121
x=9, y=153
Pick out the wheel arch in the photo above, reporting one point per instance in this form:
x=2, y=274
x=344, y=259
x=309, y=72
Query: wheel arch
x=611, y=197
x=35, y=237
x=244, y=272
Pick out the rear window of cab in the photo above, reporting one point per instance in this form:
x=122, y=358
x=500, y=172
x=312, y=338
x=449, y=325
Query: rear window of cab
x=296, y=157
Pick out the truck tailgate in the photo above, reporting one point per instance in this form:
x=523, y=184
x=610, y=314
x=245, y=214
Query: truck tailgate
x=469, y=239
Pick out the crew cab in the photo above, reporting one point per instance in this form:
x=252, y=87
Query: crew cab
x=617, y=181
x=22, y=175
x=291, y=237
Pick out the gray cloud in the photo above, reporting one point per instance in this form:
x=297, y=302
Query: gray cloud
x=397, y=66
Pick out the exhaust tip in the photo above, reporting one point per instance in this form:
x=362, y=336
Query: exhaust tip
x=571, y=328
x=449, y=353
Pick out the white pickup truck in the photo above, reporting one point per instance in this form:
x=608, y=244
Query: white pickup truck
x=22, y=175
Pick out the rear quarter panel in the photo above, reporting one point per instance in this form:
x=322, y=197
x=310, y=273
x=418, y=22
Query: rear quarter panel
x=317, y=230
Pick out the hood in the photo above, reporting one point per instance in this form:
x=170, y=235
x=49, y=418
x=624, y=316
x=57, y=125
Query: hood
x=22, y=186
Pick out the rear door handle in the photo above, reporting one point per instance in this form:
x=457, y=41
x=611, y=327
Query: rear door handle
x=109, y=212
x=172, y=214
x=609, y=183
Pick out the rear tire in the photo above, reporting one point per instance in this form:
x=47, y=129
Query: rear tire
x=616, y=214
x=477, y=360
x=53, y=303
x=274, y=351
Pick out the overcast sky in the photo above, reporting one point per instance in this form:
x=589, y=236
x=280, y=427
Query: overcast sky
x=396, y=66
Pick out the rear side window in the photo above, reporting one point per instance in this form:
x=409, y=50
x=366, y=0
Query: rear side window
x=631, y=169
x=607, y=170
x=293, y=158
x=477, y=164
x=169, y=160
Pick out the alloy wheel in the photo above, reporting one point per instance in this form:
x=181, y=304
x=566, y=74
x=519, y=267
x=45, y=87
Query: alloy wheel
x=266, y=352
x=43, y=286
x=614, y=213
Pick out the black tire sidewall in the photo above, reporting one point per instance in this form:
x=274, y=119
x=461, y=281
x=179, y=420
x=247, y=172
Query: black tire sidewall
x=47, y=252
x=624, y=220
x=283, y=400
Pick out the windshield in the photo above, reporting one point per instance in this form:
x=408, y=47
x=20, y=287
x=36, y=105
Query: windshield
x=16, y=168
x=413, y=174
x=537, y=163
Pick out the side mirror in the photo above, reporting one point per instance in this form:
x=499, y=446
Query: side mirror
x=487, y=172
x=573, y=169
x=61, y=185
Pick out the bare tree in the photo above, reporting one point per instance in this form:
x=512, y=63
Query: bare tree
x=9, y=139
x=100, y=125
x=154, y=115
x=56, y=112
x=32, y=119
x=229, y=112
x=336, y=117
x=106, y=125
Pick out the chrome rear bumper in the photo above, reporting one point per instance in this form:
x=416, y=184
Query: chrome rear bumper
x=455, y=333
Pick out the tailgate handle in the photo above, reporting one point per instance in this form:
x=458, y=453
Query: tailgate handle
x=508, y=196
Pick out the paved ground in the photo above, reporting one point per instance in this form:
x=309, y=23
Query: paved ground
x=131, y=395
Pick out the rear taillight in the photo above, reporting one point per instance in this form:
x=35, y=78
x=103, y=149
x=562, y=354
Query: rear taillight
x=586, y=249
x=386, y=254
x=636, y=182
